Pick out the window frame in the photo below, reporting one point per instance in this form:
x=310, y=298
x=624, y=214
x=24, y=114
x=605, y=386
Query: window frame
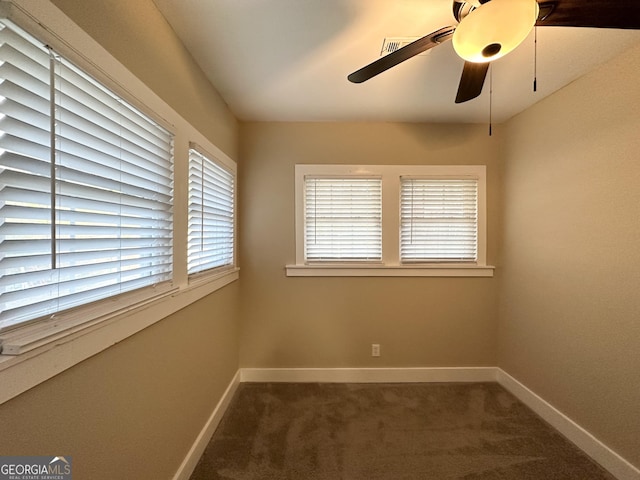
x=391, y=265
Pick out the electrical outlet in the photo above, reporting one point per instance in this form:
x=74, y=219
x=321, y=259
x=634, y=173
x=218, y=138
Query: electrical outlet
x=375, y=349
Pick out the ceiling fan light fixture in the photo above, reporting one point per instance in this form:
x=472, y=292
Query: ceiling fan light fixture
x=494, y=29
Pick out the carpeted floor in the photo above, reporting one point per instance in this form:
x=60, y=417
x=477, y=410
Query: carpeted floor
x=430, y=431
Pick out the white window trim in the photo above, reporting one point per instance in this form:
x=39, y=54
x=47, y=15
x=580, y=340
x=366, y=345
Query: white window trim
x=40, y=350
x=390, y=265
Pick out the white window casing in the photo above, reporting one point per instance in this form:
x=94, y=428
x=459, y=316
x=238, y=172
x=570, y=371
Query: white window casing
x=433, y=222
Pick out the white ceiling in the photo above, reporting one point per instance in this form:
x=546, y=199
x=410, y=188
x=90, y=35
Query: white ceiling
x=288, y=60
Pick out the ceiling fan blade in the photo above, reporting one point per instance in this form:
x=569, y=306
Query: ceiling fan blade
x=472, y=81
x=405, y=53
x=593, y=13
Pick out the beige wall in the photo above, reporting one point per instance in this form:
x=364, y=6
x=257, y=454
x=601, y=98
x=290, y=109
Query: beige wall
x=332, y=322
x=570, y=308
x=133, y=411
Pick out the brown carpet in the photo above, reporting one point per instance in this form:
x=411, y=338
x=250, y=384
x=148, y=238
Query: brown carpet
x=433, y=431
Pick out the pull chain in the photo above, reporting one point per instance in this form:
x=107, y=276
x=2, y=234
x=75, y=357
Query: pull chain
x=490, y=99
x=535, y=59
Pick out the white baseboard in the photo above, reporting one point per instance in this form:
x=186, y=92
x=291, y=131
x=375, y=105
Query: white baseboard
x=191, y=460
x=369, y=375
x=598, y=451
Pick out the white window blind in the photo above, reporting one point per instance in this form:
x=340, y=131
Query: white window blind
x=343, y=219
x=211, y=214
x=439, y=220
x=86, y=187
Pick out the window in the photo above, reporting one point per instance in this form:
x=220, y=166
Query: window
x=113, y=173
x=439, y=219
x=343, y=218
x=211, y=213
x=390, y=220
x=87, y=187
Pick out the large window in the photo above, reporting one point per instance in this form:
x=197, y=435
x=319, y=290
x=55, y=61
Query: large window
x=86, y=187
x=211, y=213
x=390, y=220
x=93, y=231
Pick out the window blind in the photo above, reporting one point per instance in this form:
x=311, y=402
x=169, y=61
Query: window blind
x=86, y=187
x=211, y=214
x=343, y=219
x=439, y=220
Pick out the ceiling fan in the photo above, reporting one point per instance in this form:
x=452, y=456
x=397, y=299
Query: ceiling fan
x=489, y=29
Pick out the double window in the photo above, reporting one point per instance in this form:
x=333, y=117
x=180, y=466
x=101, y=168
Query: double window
x=386, y=220
x=87, y=193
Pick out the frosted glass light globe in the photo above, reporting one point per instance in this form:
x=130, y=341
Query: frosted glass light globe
x=494, y=29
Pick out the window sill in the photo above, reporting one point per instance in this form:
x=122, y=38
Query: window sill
x=39, y=354
x=354, y=270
